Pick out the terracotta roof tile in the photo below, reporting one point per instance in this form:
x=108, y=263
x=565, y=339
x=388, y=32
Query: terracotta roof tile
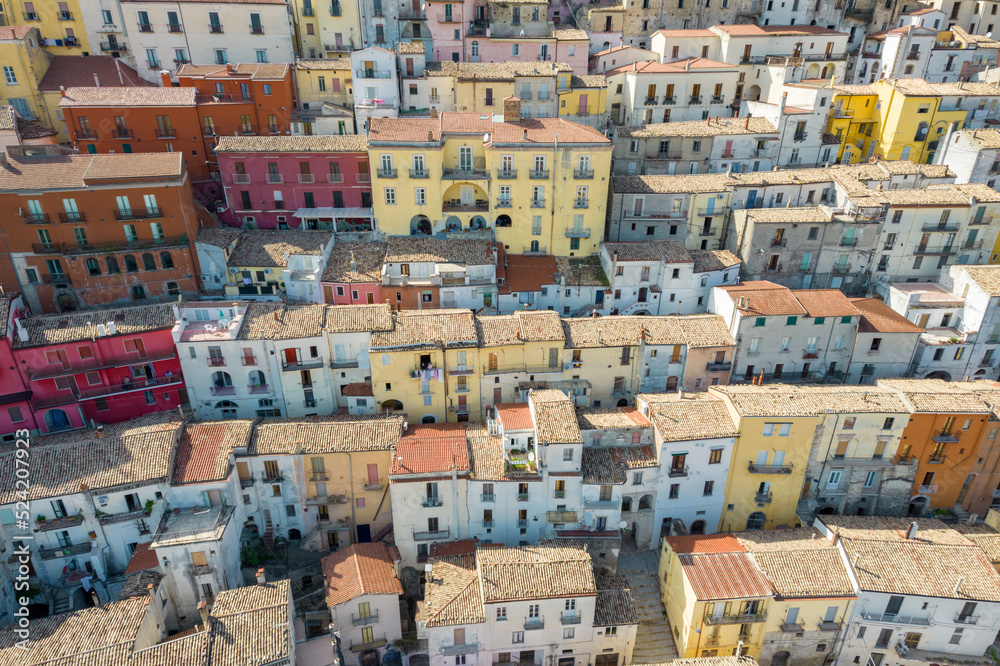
x=720, y=576
x=326, y=64
x=333, y=143
x=677, y=67
x=514, y=416
x=218, y=236
x=456, y=251
x=709, y=543
x=713, y=260
x=74, y=71
x=937, y=395
x=623, y=331
x=357, y=389
x=272, y=248
x=674, y=184
x=426, y=328
x=615, y=605
x=18, y=32
x=79, y=171
x=325, y=435
x=85, y=96
x=496, y=71
x=610, y=418
x=582, y=271
x=354, y=263
x=82, y=325
x=555, y=417
x=535, y=572
x=143, y=558
x=667, y=251
x=700, y=128
x=608, y=465
x=809, y=400
x=877, y=317
x=695, y=416
x=452, y=594
x=426, y=449
x=203, y=454
x=530, y=273
x=364, y=568
x=541, y=131
x=825, y=303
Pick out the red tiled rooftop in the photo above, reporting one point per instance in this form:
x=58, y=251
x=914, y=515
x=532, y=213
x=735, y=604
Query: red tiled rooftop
x=357, y=389
x=450, y=548
x=143, y=558
x=515, y=416
x=877, y=317
x=530, y=273
x=74, y=71
x=710, y=543
x=364, y=568
x=437, y=447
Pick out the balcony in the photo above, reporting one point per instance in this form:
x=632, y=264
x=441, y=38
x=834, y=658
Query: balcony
x=295, y=366
x=581, y=203
x=848, y=242
x=121, y=133
x=220, y=98
x=138, y=214
x=174, y=27
x=503, y=203
x=440, y=535
x=570, y=618
x=306, y=178
x=487, y=497
x=256, y=30
x=810, y=353
x=743, y=618
x=275, y=178
x=59, y=523
x=258, y=389
x=112, y=246
x=223, y=390
x=372, y=74
x=373, y=486
x=892, y=618
x=460, y=649
x=677, y=472
x=375, y=644
x=215, y=28
x=779, y=242
x=723, y=366
x=85, y=133
x=64, y=551
x=577, y=232
x=538, y=174
x=125, y=516
x=943, y=437
x=669, y=100
x=58, y=279
x=72, y=217
x=522, y=497
x=928, y=489
x=913, y=56
x=506, y=174
x=934, y=249
x=116, y=46
x=334, y=177
x=215, y=361
x=420, y=173
x=487, y=523
x=386, y=173
x=792, y=628
x=763, y=498
x=937, y=226
x=465, y=173
x=522, y=522
x=718, y=99
x=830, y=626
x=30, y=16
x=36, y=218
x=583, y=174
x=534, y=623
x=96, y=364
x=364, y=620
x=967, y=619
x=753, y=468
x=538, y=203
x=972, y=245
x=335, y=10
x=431, y=502
x=651, y=101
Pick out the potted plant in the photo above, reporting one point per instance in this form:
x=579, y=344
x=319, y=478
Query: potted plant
x=149, y=507
x=40, y=519
x=92, y=534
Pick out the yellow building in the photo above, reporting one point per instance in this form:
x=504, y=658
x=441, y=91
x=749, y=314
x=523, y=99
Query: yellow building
x=330, y=27
x=769, y=460
x=426, y=366
x=24, y=64
x=584, y=99
x=778, y=596
x=59, y=22
x=324, y=90
x=902, y=118
x=540, y=184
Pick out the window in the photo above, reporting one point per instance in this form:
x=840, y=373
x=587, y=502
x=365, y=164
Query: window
x=9, y=75
x=569, y=633
x=517, y=637
x=390, y=196
x=709, y=488
x=636, y=478
x=715, y=456
x=501, y=613
x=849, y=422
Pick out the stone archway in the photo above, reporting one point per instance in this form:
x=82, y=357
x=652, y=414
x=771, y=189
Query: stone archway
x=698, y=527
x=939, y=374
x=918, y=506
x=781, y=658
x=420, y=225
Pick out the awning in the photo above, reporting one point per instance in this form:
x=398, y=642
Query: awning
x=333, y=212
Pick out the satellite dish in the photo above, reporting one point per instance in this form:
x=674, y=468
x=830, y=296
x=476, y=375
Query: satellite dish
x=588, y=518
x=623, y=524
x=531, y=456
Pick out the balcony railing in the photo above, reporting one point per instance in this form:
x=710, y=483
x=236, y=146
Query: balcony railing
x=72, y=217
x=763, y=498
x=122, y=133
x=64, y=551
x=256, y=30
x=570, y=618
x=506, y=174
x=215, y=28
x=363, y=620
x=522, y=497
x=534, y=623
x=577, y=232
x=538, y=174
x=581, y=203
x=754, y=468
x=85, y=133
x=223, y=390
x=934, y=249
x=59, y=523
x=174, y=27
x=386, y=173
x=893, y=618
x=488, y=497
x=36, y=218
x=117, y=46
x=538, y=203
x=722, y=366
x=216, y=361
x=465, y=173
x=742, y=618
x=583, y=174
x=293, y=366
x=651, y=101
x=441, y=535
x=431, y=502
x=125, y=516
x=73, y=368
x=306, y=178
x=420, y=173
x=138, y=214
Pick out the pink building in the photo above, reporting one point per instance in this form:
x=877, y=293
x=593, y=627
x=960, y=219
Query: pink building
x=475, y=31
x=15, y=408
x=289, y=182
x=354, y=273
x=106, y=365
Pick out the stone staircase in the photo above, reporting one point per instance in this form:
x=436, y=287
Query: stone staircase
x=61, y=602
x=268, y=536
x=654, y=641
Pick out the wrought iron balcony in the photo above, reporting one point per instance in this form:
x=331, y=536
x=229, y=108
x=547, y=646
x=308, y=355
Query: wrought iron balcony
x=742, y=618
x=583, y=174
x=125, y=516
x=138, y=214
x=763, y=498
x=753, y=468
x=534, y=623
x=577, y=232
x=440, y=535
x=363, y=620
x=64, y=551
x=431, y=501
x=72, y=217
x=506, y=174
x=36, y=218
x=538, y=174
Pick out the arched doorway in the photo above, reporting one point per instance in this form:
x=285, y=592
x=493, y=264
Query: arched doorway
x=429, y=418
x=828, y=511
x=756, y=520
x=623, y=403
x=645, y=502
x=698, y=527
x=827, y=72
x=780, y=658
x=753, y=93
x=56, y=419
x=812, y=71
x=478, y=222
x=369, y=658
x=294, y=534
x=420, y=225
x=504, y=221
x=453, y=223
x=392, y=406
x=672, y=384
x=626, y=504
x=918, y=506
x=939, y=374
x=227, y=408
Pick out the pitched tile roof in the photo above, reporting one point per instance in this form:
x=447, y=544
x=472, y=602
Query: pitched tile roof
x=937, y=395
x=272, y=248
x=456, y=251
x=423, y=449
x=581, y=271
x=82, y=325
x=693, y=416
x=203, y=454
x=84, y=96
x=496, y=71
x=540, y=131
x=673, y=184
x=498, y=330
x=615, y=605
x=141, y=455
x=987, y=277
x=360, y=569
x=775, y=30
x=809, y=400
x=357, y=389
x=877, y=317
x=63, y=172
x=330, y=434
x=623, y=331
x=985, y=138
x=719, y=576
x=761, y=299
x=530, y=273
x=514, y=416
x=610, y=418
x=534, y=572
x=332, y=143
x=487, y=455
x=938, y=562
x=452, y=593
x=667, y=251
x=540, y=326
x=699, y=128
x=220, y=236
x=325, y=63
x=555, y=417
x=352, y=263
x=277, y=321
x=609, y=465
x=74, y=71
x=358, y=318
x=677, y=67
x=799, y=562
x=426, y=328
x=713, y=260
x=255, y=71
x=705, y=543
x=143, y=558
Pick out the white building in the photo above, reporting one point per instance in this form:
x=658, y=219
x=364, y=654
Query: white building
x=553, y=610
x=793, y=336
x=621, y=56
x=934, y=609
x=162, y=37
x=885, y=343
x=376, y=85
x=213, y=246
x=463, y=272
x=695, y=436
x=362, y=593
x=974, y=155
x=689, y=89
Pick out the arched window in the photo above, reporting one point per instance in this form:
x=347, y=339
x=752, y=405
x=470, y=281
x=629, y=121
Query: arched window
x=56, y=419
x=148, y=263
x=221, y=380
x=93, y=268
x=534, y=246
x=921, y=131
x=257, y=379
x=112, y=265
x=166, y=260
x=227, y=408
x=130, y=265
x=756, y=521
x=671, y=384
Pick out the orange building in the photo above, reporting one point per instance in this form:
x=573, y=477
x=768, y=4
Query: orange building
x=948, y=422
x=210, y=101
x=87, y=230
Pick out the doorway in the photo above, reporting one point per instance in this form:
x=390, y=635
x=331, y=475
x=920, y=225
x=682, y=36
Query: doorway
x=364, y=533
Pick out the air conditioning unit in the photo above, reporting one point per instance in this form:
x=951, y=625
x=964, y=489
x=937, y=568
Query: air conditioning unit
x=233, y=271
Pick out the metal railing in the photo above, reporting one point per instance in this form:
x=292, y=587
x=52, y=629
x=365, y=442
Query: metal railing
x=430, y=536
x=754, y=468
x=577, y=232
x=538, y=174
x=137, y=214
x=583, y=174
x=506, y=174
x=362, y=620
x=742, y=618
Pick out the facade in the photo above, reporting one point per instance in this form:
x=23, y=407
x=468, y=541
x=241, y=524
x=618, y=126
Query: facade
x=271, y=266
x=164, y=39
x=21, y=48
x=323, y=182
x=376, y=87
x=98, y=366
x=324, y=92
x=537, y=193
x=326, y=32
x=685, y=90
x=972, y=155
x=885, y=344
x=431, y=273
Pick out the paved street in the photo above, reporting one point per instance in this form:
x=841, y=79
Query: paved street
x=654, y=642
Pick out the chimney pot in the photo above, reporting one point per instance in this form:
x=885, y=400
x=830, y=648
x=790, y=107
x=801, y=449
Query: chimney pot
x=261, y=578
x=203, y=611
x=912, y=532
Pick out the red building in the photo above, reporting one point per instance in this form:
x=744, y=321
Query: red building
x=310, y=182
x=354, y=273
x=107, y=365
x=210, y=101
x=15, y=407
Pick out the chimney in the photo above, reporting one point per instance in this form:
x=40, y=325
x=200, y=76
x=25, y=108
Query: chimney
x=687, y=65
x=97, y=81
x=958, y=585
x=99, y=432
x=524, y=135
x=434, y=113
x=598, y=336
x=62, y=91
x=635, y=67
x=97, y=599
x=746, y=125
x=512, y=109
x=261, y=578
x=165, y=78
x=203, y=610
x=912, y=532
x=430, y=135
